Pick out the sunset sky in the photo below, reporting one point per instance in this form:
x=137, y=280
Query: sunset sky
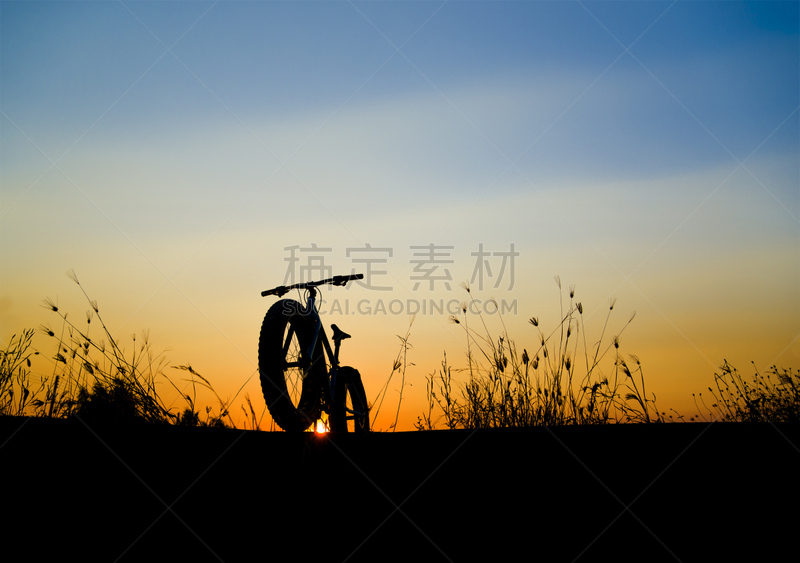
x=171, y=152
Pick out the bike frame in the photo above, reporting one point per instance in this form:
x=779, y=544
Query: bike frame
x=332, y=355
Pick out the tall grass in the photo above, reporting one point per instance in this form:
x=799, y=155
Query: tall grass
x=95, y=378
x=772, y=396
x=563, y=380
x=191, y=416
x=16, y=392
x=399, y=366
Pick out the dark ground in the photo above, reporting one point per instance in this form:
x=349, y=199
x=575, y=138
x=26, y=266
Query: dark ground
x=676, y=492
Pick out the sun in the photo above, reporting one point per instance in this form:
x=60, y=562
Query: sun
x=320, y=427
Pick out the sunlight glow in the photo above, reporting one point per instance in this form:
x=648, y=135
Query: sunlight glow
x=321, y=427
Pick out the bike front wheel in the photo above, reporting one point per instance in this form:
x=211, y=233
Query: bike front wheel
x=350, y=412
x=291, y=378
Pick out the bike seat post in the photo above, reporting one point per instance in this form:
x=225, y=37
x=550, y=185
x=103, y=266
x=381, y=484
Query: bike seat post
x=338, y=336
x=336, y=345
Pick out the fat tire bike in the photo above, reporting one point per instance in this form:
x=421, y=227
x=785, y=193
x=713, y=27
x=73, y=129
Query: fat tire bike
x=293, y=358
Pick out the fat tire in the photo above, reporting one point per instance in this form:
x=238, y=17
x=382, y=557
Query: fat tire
x=349, y=385
x=298, y=414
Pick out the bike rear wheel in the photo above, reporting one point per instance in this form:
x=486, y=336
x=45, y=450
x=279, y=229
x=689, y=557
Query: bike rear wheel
x=292, y=382
x=350, y=412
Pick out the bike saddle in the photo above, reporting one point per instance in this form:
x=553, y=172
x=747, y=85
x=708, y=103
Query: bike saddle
x=338, y=335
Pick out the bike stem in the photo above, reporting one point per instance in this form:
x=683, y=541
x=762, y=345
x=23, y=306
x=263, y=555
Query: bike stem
x=310, y=309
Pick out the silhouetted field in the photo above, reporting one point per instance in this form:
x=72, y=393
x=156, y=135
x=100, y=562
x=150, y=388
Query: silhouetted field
x=672, y=492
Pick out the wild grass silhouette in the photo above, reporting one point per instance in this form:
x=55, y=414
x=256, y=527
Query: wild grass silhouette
x=96, y=378
x=562, y=381
x=772, y=396
x=16, y=392
x=399, y=366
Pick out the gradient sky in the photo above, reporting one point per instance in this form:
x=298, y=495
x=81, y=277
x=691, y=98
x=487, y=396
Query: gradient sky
x=168, y=152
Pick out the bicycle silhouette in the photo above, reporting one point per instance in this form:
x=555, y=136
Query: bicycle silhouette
x=295, y=380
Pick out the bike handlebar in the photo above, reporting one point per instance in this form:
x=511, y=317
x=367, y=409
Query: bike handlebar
x=335, y=280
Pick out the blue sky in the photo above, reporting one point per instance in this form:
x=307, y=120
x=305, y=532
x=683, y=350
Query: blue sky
x=169, y=151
